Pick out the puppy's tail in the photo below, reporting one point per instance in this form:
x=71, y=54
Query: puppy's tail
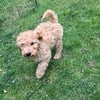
x=52, y=16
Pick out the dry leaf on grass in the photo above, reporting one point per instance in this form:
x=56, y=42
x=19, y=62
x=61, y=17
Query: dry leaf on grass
x=91, y=63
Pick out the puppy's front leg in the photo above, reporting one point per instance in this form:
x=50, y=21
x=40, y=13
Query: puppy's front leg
x=42, y=66
x=45, y=56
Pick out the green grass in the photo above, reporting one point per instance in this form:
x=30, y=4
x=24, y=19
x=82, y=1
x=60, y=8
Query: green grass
x=76, y=76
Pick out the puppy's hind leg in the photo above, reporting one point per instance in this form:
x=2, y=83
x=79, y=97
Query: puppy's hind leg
x=59, y=47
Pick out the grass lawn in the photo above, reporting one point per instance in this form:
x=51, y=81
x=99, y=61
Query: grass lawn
x=76, y=76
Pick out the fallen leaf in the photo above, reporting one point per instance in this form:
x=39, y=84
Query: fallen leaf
x=91, y=63
x=5, y=91
x=0, y=69
x=84, y=50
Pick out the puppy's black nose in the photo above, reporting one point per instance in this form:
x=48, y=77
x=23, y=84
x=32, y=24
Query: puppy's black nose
x=28, y=54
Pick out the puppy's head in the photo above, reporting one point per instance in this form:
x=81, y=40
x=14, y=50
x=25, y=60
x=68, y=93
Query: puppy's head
x=28, y=43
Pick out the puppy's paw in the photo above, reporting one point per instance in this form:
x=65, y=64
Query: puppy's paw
x=39, y=75
x=56, y=57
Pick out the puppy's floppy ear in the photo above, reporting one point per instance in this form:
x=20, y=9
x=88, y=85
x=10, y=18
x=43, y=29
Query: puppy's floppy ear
x=18, y=40
x=18, y=45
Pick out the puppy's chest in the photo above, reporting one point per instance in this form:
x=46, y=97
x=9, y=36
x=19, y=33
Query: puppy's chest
x=42, y=55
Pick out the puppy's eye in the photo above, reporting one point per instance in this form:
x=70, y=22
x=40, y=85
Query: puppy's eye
x=22, y=45
x=32, y=43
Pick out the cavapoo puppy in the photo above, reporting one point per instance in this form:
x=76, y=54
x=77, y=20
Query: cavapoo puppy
x=38, y=43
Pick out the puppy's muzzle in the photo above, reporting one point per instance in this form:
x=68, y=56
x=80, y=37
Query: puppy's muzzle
x=28, y=54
